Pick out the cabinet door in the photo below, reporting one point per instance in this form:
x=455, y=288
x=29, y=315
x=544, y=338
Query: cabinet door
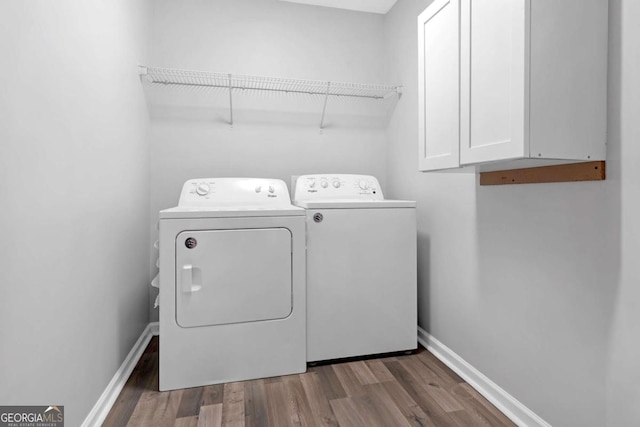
x=439, y=85
x=494, y=80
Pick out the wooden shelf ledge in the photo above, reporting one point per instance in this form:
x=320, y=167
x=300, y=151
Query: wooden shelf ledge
x=587, y=171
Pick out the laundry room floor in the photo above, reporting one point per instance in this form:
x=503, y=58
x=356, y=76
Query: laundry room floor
x=406, y=390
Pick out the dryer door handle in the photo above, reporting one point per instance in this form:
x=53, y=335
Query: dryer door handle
x=187, y=280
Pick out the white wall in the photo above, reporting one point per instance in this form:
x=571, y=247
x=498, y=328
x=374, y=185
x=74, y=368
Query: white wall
x=273, y=135
x=531, y=283
x=74, y=194
x=623, y=379
x=535, y=285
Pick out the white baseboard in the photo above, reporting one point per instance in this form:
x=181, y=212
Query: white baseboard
x=102, y=407
x=507, y=404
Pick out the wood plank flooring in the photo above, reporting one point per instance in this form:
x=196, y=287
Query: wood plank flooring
x=407, y=390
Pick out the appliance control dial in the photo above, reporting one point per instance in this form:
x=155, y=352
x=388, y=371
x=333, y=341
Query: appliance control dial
x=258, y=188
x=202, y=189
x=324, y=184
x=312, y=184
x=271, y=189
x=336, y=183
x=364, y=185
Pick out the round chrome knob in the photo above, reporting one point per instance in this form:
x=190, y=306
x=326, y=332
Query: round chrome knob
x=336, y=184
x=363, y=184
x=324, y=184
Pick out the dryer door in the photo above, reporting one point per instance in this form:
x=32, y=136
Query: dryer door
x=232, y=276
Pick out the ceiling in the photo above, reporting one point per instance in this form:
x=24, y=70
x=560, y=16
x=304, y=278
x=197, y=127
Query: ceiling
x=374, y=6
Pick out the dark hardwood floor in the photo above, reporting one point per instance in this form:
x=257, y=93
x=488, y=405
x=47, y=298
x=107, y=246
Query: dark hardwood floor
x=407, y=390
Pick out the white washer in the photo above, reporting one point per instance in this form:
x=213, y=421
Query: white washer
x=232, y=283
x=361, y=267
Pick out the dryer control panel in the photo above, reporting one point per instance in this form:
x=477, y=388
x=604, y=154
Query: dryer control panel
x=337, y=187
x=234, y=192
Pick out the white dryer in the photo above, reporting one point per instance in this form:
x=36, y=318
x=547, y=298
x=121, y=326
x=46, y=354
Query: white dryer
x=232, y=283
x=361, y=267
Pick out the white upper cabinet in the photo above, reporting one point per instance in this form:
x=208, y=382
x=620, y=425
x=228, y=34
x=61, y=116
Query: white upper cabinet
x=439, y=87
x=492, y=80
x=531, y=83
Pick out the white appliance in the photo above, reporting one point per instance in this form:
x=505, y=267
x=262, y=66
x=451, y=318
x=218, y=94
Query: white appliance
x=361, y=267
x=232, y=283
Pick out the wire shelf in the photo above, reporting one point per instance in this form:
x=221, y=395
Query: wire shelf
x=236, y=82
x=169, y=76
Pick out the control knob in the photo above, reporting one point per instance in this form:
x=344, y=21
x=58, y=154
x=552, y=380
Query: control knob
x=364, y=185
x=203, y=189
x=258, y=188
x=336, y=183
x=324, y=184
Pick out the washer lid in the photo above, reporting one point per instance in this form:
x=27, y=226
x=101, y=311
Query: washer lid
x=355, y=204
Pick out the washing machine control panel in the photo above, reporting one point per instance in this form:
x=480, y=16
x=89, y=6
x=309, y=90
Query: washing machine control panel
x=212, y=192
x=337, y=187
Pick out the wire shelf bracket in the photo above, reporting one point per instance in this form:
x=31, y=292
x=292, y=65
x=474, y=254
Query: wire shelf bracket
x=324, y=107
x=231, y=82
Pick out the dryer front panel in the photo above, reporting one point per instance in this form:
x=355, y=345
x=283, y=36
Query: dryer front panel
x=232, y=276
